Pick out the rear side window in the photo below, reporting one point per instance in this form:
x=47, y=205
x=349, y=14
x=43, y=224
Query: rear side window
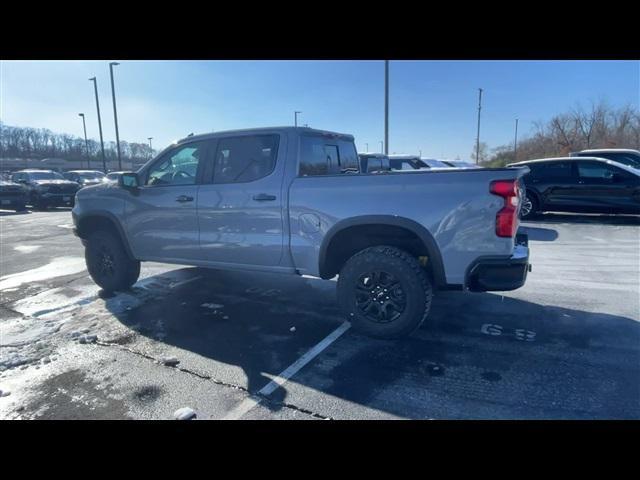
x=551, y=170
x=245, y=159
x=327, y=156
x=601, y=171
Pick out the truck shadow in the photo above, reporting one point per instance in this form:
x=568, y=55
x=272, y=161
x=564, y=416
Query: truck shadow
x=478, y=356
x=597, y=219
x=540, y=234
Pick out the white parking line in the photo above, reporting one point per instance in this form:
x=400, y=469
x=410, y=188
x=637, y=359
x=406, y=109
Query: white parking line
x=286, y=374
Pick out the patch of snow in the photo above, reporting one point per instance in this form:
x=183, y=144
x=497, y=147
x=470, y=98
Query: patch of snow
x=184, y=413
x=292, y=329
x=55, y=300
x=170, y=361
x=57, y=268
x=26, y=248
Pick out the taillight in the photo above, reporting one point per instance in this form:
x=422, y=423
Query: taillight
x=507, y=217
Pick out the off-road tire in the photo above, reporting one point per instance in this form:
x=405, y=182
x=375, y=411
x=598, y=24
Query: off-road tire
x=412, y=278
x=116, y=271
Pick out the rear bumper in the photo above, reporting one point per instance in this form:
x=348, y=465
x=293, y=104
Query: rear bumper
x=501, y=274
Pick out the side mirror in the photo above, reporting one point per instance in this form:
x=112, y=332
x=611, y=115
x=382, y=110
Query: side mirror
x=129, y=180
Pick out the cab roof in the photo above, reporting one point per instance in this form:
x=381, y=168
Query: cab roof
x=608, y=150
x=224, y=133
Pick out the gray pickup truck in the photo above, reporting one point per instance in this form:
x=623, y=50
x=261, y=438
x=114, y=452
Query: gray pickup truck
x=293, y=200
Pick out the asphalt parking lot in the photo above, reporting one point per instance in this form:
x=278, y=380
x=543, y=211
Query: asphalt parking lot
x=261, y=346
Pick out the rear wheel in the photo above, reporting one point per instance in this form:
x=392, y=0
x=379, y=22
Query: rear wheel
x=384, y=292
x=108, y=262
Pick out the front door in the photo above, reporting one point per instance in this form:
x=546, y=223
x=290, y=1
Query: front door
x=240, y=204
x=161, y=217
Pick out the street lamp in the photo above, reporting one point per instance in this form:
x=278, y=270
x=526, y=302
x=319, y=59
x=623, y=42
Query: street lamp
x=115, y=113
x=515, y=144
x=381, y=147
x=86, y=143
x=478, y=136
x=366, y=147
x=295, y=115
x=95, y=87
x=386, y=107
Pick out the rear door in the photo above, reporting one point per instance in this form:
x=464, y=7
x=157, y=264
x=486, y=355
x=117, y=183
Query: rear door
x=605, y=187
x=161, y=217
x=240, y=207
x=556, y=182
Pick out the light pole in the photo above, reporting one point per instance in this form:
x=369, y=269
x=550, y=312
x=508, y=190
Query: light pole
x=115, y=113
x=366, y=147
x=386, y=107
x=295, y=116
x=478, y=135
x=381, y=146
x=420, y=153
x=95, y=87
x=515, y=144
x=86, y=143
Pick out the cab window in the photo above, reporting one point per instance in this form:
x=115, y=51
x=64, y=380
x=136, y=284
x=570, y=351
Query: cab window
x=177, y=167
x=327, y=156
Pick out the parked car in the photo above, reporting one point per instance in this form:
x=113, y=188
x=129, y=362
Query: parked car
x=284, y=200
x=46, y=188
x=84, y=178
x=112, y=176
x=583, y=184
x=433, y=163
x=374, y=163
x=459, y=164
x=13, y=195
x=406, y=162
x=626, y=156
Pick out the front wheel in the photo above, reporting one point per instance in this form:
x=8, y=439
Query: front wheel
x=384, y=292
x=108, y=262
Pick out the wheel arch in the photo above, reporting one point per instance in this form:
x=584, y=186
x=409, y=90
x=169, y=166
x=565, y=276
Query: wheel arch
x=370, y=230
x=102, y=220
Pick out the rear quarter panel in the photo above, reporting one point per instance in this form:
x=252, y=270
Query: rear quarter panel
x=454, y=206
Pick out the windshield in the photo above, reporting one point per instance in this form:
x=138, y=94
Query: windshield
x=435, y=163
x=405, y=164
x=45, y=176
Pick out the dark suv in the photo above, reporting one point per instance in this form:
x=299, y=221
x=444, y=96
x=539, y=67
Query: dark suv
x=579, y=184
x=620, y=155
x=46, y=188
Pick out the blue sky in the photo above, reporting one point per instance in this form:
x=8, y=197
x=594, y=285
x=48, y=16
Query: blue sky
x=433, y=104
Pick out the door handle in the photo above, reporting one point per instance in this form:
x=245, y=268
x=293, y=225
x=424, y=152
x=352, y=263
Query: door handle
x=264, y=197
x=184, y=198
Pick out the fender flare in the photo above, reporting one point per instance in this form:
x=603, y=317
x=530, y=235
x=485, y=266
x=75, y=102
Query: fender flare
x=435, y=258
x=112, y=219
